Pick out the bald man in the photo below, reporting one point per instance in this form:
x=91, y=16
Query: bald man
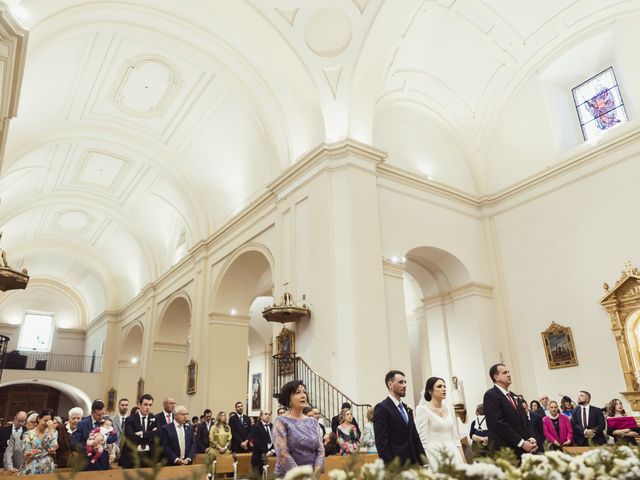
x=177, y=439
x=17, y=425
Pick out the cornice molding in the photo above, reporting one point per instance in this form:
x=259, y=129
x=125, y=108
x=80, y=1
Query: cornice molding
x=393, y=269
x=469, y=290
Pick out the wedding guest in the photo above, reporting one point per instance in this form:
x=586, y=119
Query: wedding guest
x=335, y=421
x=281, y=411
x=396, y=435
x=177, y=438
x=331, y=445
x=535, y=407
x=64, y=446
x=14, y=427
x=621, y=427
x=295, y=435
x=83, y=431
x=315, y=413
x=587, y=422
x=220, y=437
x=368, y=435
x=506, y=420
x=567, y=406
x=347, y=433
x=262, y=440
x=14, y=453
x=535, y=421
x=40, y=445
x=557, y=428
x=544, y=401
x=240, y=425
x=478, y=431
x=202, y=438
x=437, y=425
x=141, y=432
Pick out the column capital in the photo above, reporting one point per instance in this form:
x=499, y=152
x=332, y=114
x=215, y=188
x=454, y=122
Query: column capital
x=393, y=269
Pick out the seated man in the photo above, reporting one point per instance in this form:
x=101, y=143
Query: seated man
x=177, y=439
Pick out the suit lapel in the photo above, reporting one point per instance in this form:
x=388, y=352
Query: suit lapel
x=397, y=413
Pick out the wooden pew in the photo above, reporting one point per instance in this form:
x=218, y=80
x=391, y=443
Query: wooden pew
x=166, y=473
x=339, y=462
x=577, y=450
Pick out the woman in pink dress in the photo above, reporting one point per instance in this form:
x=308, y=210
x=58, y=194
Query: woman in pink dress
x=621, y=427
x=557, y=428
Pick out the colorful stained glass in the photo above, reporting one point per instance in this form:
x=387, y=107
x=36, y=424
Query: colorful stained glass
x=599, y=104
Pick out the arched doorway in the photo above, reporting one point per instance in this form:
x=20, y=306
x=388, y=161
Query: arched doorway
x=129, y=366
x=450, y=318
x=246, y=276
x=36, y=395
x=170, y=355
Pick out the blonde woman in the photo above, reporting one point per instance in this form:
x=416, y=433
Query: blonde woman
x=219, y=437
x=347, y=433
x=368, y=436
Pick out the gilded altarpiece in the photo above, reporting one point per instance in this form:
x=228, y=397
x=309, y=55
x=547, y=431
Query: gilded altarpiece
x=622, y=303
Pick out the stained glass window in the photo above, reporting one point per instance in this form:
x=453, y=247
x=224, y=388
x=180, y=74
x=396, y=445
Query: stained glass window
x=599, y=104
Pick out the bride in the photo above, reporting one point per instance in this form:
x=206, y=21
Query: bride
x=437, y=425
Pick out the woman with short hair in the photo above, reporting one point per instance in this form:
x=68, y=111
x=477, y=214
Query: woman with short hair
x=295, y=436
x=557, y=428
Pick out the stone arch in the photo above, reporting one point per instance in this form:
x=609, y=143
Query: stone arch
x=170, y=350
x=130, y=361
x=245, y=276
x=450, y=322
x=74, y=395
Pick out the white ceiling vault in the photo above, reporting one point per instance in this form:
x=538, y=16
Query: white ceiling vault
x=143, y=125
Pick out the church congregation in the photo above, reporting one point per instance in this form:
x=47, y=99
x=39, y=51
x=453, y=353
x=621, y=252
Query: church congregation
x=38, y=443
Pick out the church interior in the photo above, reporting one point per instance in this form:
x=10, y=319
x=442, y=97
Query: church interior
x=432, y=186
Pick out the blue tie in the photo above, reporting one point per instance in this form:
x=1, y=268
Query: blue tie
x=403, y=412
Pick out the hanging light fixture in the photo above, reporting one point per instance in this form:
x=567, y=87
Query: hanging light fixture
x=11, y=279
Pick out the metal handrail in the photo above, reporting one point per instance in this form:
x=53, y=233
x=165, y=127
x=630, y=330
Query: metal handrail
x=53, y=362
x=321, y=393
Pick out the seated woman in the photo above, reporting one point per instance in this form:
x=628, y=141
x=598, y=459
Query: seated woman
x=621, y=427
x=479, y=433
x=347, y=433
x=557, y=428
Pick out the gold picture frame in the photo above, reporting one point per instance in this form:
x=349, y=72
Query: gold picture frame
x=286, y=342
x=192, y=377
x=111, y=399
x=559, y=347
x=139, y=389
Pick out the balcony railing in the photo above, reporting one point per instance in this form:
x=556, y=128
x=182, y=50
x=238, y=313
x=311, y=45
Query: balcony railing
x=53, y=362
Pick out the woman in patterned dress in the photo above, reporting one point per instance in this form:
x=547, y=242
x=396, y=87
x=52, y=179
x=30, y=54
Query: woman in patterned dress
x=40, y=445
x=347, y=433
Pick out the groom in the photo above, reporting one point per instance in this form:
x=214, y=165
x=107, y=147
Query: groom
x=395, y=431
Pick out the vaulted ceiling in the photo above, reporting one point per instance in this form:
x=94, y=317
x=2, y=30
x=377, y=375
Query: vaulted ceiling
x=144, y=125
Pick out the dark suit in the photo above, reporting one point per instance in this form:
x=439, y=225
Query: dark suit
x=335, y=421
x=132, y=425
x=79, y=443
x=161, y=419
x=594, y=422
x=535, y=420
x=5, y=433
x=262, y=443
x=396, y=438
x=202, y=437
x=239, y=432
x=507, y=425
x=169, y=441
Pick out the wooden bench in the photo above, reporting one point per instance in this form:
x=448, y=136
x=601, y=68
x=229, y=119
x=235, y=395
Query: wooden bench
x=339, y=462
x=166, y=473
x=576, y=450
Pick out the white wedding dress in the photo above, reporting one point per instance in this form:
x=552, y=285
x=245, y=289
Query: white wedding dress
x=438, y=434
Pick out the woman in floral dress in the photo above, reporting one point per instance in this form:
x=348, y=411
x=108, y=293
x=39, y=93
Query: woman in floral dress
x=347, y=433
x=40, y=445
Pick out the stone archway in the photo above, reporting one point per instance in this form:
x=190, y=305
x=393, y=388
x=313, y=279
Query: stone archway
x=245, y=276
x=170, y=354
x=129, y=362
x=43, y=393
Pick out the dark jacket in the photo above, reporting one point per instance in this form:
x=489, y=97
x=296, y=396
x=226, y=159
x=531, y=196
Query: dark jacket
x=394, y=437
x=507, y=425
x=79, y=443
x=133, y=424
x=262, y=443
x=594, y=422
x=171, y=445
x=202, y=436
x=239, y=432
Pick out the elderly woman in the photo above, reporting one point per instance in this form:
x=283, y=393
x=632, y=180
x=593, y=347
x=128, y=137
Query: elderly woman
x=368, y=436
x=557, y=428
x=295, y=435
x=40, y=445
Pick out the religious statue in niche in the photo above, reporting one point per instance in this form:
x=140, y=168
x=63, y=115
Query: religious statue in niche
x=559, y=347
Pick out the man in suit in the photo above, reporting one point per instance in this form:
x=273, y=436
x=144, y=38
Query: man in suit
x=119, y=419
x=587, y=422
x=140, y=431
x=315, y=413
x=262, y=439
x=240, y=425
x=6, y=432
x=335, y=421
x=165, y=417
x=506, y=419
x=202, y=436
x=81, y=435
x=393, y=424
x=177, y=438
x=535, y=422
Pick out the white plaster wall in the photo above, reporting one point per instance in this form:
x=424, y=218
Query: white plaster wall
x=556, y=250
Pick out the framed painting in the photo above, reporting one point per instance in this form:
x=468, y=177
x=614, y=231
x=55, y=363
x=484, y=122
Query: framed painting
x=192, y=377
x=256, y=391
x=559, y=347
x=286, y=342
x=140, y=389
x=111, y=400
